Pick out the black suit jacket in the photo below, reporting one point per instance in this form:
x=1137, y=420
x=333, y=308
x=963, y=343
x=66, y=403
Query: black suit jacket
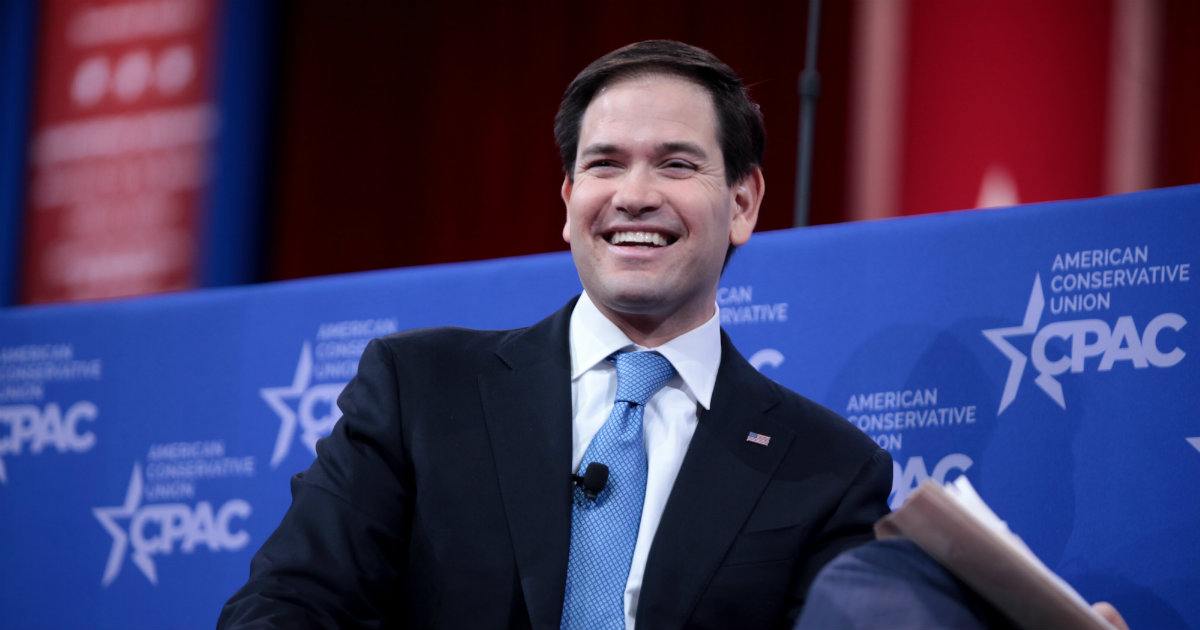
x=442, y=498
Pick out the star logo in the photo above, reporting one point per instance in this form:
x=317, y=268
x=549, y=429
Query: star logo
x=300, y=404
x=276, y=398
x=108, y=519
x=999, y=338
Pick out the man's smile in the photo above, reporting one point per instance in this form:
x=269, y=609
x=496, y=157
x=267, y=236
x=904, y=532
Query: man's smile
x=639, y=239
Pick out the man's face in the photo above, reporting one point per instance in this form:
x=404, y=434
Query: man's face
x=649, y=214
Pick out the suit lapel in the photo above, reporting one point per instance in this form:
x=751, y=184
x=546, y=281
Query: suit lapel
x=527, y=404
x=718, y=485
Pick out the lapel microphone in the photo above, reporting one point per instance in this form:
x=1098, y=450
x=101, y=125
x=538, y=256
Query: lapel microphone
x=593, y=480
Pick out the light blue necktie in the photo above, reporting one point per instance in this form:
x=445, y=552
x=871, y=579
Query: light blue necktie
x=604, y=531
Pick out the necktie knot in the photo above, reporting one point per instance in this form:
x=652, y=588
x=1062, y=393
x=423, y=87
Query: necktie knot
x=640, y=374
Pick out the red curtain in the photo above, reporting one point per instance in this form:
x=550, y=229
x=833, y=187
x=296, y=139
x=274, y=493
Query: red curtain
x=423, y=132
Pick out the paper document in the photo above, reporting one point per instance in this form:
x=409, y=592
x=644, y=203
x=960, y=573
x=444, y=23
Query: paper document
x=958, y=529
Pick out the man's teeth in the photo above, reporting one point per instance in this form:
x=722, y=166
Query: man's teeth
x=652, y=239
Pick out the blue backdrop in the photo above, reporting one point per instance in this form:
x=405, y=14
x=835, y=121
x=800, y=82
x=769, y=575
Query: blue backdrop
x=1049, y=352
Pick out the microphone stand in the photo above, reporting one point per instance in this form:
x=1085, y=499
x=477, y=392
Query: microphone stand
x=810, y=89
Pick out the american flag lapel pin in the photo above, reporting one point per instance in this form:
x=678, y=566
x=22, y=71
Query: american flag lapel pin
x=758, y=438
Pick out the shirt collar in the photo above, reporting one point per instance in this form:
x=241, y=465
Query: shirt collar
x=695, y=354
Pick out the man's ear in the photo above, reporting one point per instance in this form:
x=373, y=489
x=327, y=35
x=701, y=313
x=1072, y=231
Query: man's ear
x=747, y=197
x=566, y=197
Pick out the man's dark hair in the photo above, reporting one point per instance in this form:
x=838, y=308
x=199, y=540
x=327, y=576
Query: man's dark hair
x=740, y=129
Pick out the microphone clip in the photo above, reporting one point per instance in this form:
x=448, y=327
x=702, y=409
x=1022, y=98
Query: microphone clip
x=593, y=480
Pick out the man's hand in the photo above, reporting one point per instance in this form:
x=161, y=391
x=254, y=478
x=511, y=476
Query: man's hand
x=1110, y=614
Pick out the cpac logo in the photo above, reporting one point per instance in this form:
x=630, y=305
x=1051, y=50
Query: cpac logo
x=914, y=473
x=767, y=357
x=156, y=529
x=40, y=428
x=1088, y=338
x=316, y=410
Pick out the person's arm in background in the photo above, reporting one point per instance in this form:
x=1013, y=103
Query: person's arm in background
x=894, y=584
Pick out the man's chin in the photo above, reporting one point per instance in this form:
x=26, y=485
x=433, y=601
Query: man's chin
x=647, y=305
x=640, y=299
x=636, y=303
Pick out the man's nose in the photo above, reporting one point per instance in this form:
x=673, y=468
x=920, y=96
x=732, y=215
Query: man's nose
x=638, y=192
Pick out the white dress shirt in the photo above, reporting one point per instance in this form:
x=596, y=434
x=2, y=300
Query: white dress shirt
x=669, y=419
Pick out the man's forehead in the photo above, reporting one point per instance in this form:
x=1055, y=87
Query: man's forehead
x=655, y=101
x=649, y=79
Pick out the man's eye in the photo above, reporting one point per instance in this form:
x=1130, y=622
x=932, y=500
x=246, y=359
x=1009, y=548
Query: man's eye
x=600, y=164
x=680, y=165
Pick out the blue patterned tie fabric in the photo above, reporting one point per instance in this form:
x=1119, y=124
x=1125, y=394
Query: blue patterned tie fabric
x=604, y=531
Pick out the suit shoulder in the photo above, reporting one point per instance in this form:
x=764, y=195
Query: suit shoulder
x=449, y=339
x=810, y=417
x=437, y=352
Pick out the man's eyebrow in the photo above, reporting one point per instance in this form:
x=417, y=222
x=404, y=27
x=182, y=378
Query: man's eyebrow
x=681, y=146
x=600, y=149
x=689, y=148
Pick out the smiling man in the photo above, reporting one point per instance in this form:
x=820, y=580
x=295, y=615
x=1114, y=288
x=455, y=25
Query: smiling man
x=650, y=210
x=616, y=465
